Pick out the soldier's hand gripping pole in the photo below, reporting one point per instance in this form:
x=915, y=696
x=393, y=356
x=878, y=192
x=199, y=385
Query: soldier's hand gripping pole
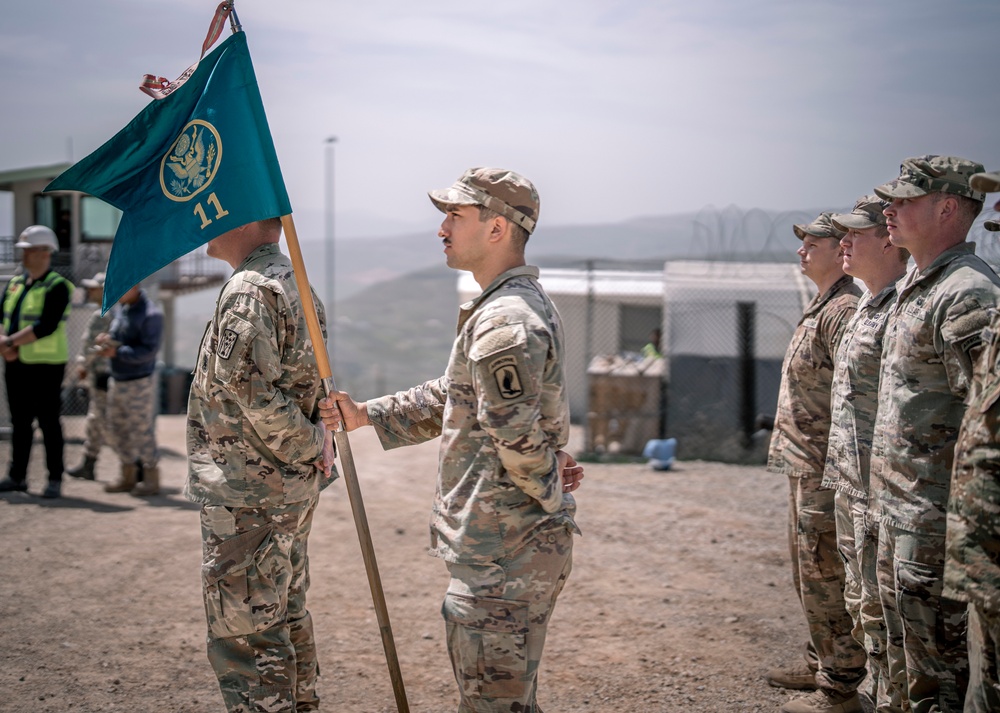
x=347, y=467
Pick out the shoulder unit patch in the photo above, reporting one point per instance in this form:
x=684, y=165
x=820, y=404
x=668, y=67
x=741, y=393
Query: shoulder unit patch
x=504, y=370
x=227, y=343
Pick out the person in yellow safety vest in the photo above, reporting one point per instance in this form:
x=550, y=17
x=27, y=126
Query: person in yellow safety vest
x=33, y=344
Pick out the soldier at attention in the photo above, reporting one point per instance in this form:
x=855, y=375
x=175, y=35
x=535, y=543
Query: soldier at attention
x=972, y=567
x=503, y=514
x=835, y=662
x=257, y=460
x=933, y=339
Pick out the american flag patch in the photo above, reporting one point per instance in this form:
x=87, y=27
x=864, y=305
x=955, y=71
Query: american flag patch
x=227, y=343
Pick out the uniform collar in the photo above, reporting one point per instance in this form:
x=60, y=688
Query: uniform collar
x=261, y=251
x=836, y=288
x=520, y=271
x=915, y=276
x=876, y=301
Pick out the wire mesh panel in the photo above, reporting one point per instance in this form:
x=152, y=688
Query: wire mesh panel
x=691, y=350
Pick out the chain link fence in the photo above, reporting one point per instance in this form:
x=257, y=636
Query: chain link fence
x=691, y=351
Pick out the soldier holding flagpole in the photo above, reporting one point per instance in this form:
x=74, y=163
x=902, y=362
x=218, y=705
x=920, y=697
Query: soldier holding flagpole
x=198, y=166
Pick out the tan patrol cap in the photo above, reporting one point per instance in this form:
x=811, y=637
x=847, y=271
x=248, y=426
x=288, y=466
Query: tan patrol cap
x=924, y=175
x=986, y=182
x=867, y=213
x=822, y=227
x=510, y=194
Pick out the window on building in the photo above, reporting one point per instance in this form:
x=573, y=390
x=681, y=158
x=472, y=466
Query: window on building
x=54, y=211
x=637, y=324
x=98, y=220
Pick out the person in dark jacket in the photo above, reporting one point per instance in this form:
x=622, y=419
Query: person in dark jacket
x=132, y=345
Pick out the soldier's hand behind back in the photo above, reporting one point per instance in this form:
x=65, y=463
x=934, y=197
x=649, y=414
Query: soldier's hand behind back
x=571, y=473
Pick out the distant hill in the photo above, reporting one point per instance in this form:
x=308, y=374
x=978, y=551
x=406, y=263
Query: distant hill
x=398, y=303
x=730, y=233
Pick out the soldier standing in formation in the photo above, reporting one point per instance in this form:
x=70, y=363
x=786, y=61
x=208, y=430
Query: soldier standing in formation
x=257, y=460
x=95, y=371
x=503, y=513
x=933, y=339
x=869, y=256
x=972, y=567
x=835, y=663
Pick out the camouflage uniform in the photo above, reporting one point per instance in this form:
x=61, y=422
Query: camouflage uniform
x=972, y=566
x=98, y=370
x=798, y=449
x=255, y=465
x=933, y=337
x=499, y=502
x=854, y=402
x=500, y=519
x=138, y=327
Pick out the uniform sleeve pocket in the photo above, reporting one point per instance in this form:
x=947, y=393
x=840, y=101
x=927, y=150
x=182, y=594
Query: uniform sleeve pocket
x=487, y=638
x=238, y=584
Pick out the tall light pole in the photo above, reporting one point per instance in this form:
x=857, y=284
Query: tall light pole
x=331, y=281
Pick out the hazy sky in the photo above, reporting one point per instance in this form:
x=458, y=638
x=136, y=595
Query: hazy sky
x=615, y=109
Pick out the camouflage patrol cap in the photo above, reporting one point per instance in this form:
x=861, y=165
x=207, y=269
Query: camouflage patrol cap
x=867, y=213
x=924, y=175
x=822, y=227
x=508, y=193
x=986, y=182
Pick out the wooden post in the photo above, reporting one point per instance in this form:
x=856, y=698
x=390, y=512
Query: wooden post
x=350, y=473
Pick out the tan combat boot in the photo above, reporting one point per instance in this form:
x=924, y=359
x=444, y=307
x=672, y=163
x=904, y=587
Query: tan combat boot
x=150, y=484
x=126, y=480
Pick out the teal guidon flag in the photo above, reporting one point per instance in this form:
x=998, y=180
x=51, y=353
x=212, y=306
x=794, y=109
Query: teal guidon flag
x=195, y=163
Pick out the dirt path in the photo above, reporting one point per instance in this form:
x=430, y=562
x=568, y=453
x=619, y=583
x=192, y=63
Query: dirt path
x=680, y=598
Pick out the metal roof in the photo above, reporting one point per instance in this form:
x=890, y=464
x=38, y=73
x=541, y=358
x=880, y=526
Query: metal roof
x=19, y=175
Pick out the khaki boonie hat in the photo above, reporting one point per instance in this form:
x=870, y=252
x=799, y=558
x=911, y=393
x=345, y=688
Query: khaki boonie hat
x=867, y=213
x=986, y=182
x=508, y=193
x=924, y=175
x=94, y=282
x=822, y=227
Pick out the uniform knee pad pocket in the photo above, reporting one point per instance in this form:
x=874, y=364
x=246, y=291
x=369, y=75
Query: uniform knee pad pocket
x=239, y=584
x=487, y=641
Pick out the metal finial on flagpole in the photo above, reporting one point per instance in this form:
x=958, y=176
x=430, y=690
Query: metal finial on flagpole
x=234, y=19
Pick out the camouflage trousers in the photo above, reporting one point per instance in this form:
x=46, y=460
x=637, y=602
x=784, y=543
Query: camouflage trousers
x=984, y=662
x=925, y=632
x=255, y=575
x=857, y=540
x=132, y=420
x=95, y=425
x=496, y=617
x=818, y=572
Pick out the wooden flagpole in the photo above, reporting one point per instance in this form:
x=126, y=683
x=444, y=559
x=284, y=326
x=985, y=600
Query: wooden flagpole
x=347, y=466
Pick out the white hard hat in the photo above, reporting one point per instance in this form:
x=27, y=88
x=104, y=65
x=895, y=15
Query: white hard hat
x=36, y=236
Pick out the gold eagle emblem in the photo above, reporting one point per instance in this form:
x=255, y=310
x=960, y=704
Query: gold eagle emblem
x=190, y=165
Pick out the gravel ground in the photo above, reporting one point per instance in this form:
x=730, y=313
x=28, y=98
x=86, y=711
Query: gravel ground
x=680, y=599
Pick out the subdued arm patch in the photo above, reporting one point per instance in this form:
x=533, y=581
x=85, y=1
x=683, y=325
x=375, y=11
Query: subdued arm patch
x=501, y=359
x=508, y=379
x=965, y=323
x=235, y=337
x=226, y=343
